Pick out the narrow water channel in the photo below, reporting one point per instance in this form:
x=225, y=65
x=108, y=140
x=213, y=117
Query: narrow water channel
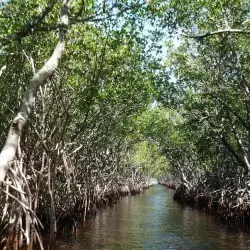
x=153, y=220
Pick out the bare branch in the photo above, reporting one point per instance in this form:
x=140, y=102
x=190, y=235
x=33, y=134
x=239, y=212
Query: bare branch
x=225, y=31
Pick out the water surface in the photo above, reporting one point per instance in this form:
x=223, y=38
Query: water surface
x=153, y=220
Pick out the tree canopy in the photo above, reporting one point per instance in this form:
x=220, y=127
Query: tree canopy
x=99, y=96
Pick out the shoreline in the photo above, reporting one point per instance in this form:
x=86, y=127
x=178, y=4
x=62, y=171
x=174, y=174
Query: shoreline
x=235, y=216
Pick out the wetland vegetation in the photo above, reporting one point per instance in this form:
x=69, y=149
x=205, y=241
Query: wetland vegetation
x=98, y=97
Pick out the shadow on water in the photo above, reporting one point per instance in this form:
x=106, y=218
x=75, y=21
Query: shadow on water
x=153, y=220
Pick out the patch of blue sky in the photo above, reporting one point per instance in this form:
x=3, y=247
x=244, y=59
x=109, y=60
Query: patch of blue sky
x=3, y=2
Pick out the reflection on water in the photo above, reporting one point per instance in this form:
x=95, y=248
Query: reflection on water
x=153, y=220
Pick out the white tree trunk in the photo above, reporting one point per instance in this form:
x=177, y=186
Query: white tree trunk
x=8, y=152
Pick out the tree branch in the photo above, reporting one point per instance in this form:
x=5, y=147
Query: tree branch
x=32, y=25
x=231, y=150
x=46, y=27
x=225, y=31
x=8, y=152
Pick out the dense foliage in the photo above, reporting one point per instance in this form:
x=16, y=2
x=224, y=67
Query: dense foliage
x=116, y=112
x=208, y=152
x=72, y=156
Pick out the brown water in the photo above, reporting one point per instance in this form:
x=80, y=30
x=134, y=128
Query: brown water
x=153, y=220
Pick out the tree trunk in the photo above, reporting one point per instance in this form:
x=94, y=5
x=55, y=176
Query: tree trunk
x=8, y=152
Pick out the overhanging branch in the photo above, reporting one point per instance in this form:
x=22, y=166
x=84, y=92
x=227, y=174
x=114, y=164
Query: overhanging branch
x=32, y=25
x=37, y=24
x=218, y=32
